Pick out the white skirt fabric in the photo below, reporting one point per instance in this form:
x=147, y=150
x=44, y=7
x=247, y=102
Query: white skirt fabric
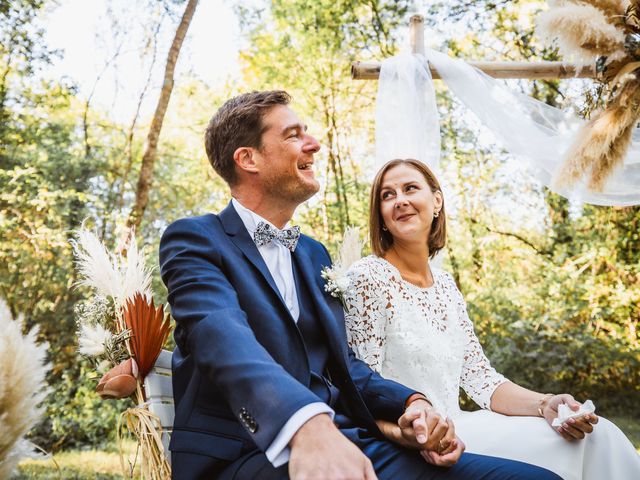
x=605, y=454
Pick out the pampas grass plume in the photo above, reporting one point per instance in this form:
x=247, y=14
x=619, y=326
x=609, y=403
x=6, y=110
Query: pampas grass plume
x=136, y=278
x=613, y=9
x=351, y=248
x=603, y=142
x=97, y=267
x=92, y=339
x=582, y=30
x=22, y=379
x=111, y=275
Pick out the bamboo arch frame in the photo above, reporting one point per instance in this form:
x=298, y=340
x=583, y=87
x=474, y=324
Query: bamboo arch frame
x=522, y=70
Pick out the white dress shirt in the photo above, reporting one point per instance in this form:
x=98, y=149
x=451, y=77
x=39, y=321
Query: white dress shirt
x=278, y=260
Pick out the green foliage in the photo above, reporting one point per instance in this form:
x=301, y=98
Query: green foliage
x=76, y=416
x=553, y=289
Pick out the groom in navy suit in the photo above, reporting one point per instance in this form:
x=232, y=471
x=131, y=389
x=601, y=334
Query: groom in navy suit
x=265, y=386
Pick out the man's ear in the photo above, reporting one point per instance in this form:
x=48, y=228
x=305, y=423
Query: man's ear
x=245, y=159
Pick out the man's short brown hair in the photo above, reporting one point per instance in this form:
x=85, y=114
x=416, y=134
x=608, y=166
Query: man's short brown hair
x=238, y=123
x=381, y=239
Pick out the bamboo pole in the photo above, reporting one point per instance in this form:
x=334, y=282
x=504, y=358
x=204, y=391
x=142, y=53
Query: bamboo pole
x=416, y=33
x=530, y=70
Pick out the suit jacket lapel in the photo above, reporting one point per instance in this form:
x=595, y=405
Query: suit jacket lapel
x=239, y=235
x=325, y=315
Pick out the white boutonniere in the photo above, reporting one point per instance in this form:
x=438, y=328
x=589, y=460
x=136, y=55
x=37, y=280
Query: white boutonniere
x=338, y=283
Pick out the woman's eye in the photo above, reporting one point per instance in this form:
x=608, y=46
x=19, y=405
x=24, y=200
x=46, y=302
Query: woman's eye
x=386, y=195
x=411, y=187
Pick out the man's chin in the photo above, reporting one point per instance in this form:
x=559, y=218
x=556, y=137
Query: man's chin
x=306, y=190
x=309, y=190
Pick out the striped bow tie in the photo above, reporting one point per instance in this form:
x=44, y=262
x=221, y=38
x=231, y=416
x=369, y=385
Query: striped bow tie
x=265, y=233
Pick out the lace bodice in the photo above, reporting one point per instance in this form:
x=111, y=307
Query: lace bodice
x=421, y=337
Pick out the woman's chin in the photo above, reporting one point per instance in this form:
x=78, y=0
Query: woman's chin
x=410, y=235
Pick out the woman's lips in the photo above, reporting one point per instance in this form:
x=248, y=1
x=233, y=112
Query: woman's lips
x=404, y=217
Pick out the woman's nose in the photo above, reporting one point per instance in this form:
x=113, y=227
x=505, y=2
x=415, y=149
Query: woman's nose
x=400, y=201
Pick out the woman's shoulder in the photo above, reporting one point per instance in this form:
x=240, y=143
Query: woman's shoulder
x=370, y=270
x=444, y=276
x=371, y=264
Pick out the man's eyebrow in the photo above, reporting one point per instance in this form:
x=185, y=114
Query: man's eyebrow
x=294, y=126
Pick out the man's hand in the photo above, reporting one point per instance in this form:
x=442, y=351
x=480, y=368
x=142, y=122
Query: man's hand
x=573, y=428
x=320, y=451
x=446, y=458
x=423, y=427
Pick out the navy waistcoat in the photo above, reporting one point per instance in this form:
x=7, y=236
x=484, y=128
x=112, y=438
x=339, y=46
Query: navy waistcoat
x=315, y=341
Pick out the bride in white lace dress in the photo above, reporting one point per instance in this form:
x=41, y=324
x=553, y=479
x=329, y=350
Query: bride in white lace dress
x=397, y=304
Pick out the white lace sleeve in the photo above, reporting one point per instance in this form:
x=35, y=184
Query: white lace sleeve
x=478, y=378
x=367, y=305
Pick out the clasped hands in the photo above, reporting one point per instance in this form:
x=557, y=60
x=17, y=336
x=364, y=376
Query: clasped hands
x=424, y=429
x=320, y=450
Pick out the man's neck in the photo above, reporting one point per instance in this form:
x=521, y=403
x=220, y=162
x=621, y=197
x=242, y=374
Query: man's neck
x=273, y=211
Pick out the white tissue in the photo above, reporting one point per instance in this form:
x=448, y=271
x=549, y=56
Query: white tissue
x=565, y=413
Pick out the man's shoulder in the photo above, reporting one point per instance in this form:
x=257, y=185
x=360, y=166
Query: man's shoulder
x=207, y=225
x=208, y=220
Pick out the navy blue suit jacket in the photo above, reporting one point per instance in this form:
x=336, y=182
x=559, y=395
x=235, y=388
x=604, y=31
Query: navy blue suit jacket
x=240, y=369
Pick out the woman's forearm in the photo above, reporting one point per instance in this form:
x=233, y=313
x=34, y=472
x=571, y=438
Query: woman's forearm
x=512, y=399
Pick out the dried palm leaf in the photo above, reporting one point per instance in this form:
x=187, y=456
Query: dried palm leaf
x=583, y=32
x=603, y=142
x=149, y=330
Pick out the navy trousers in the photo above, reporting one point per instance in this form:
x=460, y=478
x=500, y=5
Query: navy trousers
x=392, y=462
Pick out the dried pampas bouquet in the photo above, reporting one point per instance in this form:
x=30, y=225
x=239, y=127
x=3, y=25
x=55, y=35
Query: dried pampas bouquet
x=122, y=332
x=608, y=32
x=22, y=389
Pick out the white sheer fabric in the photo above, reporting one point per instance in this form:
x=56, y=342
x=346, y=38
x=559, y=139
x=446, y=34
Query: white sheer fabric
x=533, y=132
x=423, y=338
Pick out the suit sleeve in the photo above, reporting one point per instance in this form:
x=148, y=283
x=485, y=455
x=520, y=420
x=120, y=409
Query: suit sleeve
x=216, y=333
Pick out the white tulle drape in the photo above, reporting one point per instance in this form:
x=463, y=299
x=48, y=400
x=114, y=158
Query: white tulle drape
x=407, y=124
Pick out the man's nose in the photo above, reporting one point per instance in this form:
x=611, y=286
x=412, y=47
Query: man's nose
x=311, y=145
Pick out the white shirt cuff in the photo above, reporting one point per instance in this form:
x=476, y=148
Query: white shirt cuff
x=279, y=451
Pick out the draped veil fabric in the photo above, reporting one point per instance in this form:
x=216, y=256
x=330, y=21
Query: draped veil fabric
x=534, y=133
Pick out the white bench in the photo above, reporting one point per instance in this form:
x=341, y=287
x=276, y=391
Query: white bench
x=159, y=392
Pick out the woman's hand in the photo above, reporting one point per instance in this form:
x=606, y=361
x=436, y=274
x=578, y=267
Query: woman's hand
x=426, y=429
x=447, y=457
x=573, y=428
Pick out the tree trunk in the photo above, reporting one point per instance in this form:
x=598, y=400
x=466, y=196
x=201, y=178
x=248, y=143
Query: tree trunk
x=151, y=149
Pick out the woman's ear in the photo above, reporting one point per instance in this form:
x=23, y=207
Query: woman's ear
x=438, y=200
x=245, y=159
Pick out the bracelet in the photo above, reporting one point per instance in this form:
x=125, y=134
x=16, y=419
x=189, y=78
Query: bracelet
x=542, y=403
x=414, y=397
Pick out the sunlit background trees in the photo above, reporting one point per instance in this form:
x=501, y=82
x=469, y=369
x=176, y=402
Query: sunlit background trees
x=553, y=287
